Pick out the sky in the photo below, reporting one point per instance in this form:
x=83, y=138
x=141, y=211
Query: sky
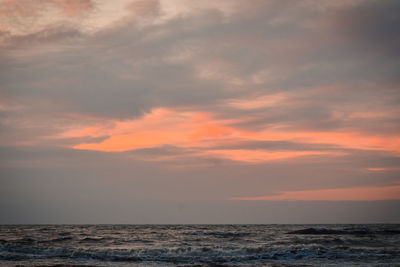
x=180, y=111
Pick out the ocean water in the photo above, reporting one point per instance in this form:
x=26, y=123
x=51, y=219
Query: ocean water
x=200, y=245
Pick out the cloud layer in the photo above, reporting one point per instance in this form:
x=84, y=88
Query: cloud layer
x=245, y=99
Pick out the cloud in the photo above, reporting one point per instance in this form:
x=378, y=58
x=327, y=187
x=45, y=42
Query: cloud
x=372, y=25
x=35, y=8
x=192, y=97
x=260, y=156
x=197, y=59
x=205, y=134
x=258, y=102
x=382, y=169
x=26, y=17
x=339, y=194
x=160, y=127
x=144, y=7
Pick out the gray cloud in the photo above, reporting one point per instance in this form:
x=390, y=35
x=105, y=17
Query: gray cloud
x=72, y=186
x=338, y=67
x=125, y=71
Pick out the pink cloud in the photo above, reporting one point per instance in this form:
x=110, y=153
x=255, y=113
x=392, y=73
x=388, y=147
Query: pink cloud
x=160, y=127
x=346, y=139
x=185, y=129
x=28, y=8
x=259, y=156
x=338, y=194
x=382, y=169
x=73, y=7
x=258, y=102
x=144, y=7
x=30, y=17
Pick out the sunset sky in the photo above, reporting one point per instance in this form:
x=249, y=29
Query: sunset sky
x=181, y=111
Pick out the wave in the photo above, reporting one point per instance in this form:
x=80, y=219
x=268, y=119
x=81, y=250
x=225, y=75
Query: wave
x=218, y=234
x=55, y=240
x=227, y=245
x=188, y=254
x=64, y=233
x=27, y=241
x=94, y=239
x=324, y=231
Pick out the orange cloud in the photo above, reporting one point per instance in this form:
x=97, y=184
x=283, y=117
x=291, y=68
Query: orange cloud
x=339, y=194
x=160, y=127
x=382, y=169
x=355, y=140
x=258, y=102
x=258, y=156
x=210, y=131
x=186, y=129
x=72, y=7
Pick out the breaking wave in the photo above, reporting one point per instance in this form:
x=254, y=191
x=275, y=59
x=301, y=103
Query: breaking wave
x=201, y=245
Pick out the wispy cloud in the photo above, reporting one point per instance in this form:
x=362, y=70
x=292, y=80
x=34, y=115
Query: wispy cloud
x=183, y=128
x=337, y=194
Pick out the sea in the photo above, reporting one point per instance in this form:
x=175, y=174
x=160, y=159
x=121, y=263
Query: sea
x=200, y=245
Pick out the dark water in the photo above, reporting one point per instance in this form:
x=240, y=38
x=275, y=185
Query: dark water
x=200, y=245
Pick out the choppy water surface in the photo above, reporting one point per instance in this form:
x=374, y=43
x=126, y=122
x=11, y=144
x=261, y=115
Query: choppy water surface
x=200, y=245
